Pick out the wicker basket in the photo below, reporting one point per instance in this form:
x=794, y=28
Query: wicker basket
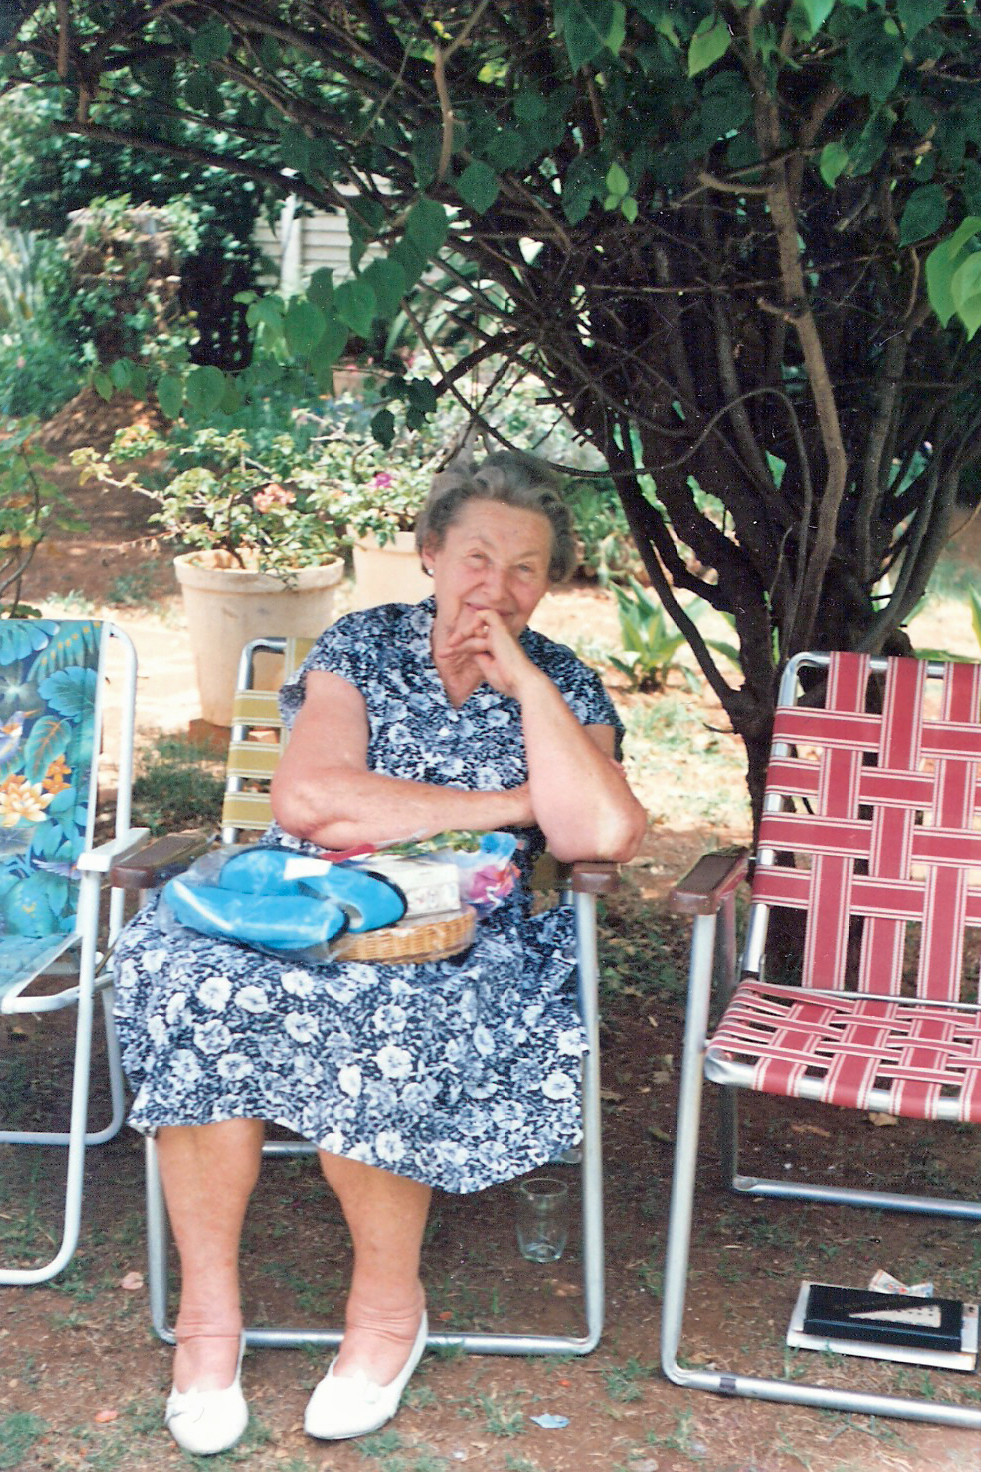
x=426, y=938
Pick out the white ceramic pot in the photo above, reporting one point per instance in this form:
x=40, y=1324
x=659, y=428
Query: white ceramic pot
x=226, y=607
x=388, y=573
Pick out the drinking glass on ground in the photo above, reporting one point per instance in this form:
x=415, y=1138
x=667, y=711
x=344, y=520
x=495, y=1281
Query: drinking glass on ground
x=542, y=1218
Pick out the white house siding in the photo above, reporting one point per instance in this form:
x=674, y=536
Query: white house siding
x=302, y=243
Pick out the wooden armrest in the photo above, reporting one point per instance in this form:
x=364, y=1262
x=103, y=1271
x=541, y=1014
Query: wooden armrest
x=160, y=860
x=592, y=876
x=710, y=881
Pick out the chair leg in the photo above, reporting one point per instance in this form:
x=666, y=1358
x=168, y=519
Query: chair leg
x=686, y=1145
x=76, y=1138
x=727, y=1382
x=484, y=1343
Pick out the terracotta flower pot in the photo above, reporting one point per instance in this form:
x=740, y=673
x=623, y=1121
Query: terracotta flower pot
x=389, y=572
x=227, y=606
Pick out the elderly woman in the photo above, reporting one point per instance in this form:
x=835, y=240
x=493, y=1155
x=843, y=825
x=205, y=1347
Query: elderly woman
x=405, y=721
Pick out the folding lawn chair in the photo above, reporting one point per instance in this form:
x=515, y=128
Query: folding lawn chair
x=257, y=741
x=870, y=833
x=53, y=678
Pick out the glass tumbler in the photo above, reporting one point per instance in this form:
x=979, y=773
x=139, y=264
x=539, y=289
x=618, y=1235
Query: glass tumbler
x=542, y=1218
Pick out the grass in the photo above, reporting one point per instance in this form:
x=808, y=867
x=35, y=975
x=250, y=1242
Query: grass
x=135, y=589
x=623, y=1381
x=682, y=1439
x=18, y=1433
x=501, y=1417
x=179, y=785
x=670, y=747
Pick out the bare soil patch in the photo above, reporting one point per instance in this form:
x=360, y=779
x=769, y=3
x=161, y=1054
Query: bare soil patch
x=82, y=1378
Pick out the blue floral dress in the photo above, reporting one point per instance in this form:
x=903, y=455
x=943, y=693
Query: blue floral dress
x=458, y=1073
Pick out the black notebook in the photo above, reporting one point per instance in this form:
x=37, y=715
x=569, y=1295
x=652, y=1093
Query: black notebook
x=883, y=1318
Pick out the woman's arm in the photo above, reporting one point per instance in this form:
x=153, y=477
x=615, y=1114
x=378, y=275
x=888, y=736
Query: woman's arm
x=579, y=794
x=323, y=791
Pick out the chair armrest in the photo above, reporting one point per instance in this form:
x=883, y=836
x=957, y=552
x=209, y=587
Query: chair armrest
x=593, y=876
x=585, y=876
x=710, y=881
x=159, y=860
x=99, y=860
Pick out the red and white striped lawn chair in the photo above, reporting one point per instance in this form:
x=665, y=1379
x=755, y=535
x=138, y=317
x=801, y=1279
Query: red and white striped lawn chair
x=872, y=830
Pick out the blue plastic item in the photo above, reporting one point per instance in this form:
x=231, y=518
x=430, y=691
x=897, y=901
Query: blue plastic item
x=287, y=923
x=282, y=901
x=370, y=900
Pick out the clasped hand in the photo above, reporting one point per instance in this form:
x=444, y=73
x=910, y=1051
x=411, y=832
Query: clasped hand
x=481, y=637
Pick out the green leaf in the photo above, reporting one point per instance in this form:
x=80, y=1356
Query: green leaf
x=916, y=15
x=427, y=226
x=266, y=312
x=201, y=94
x=628, y=208
x=616, y=181
x=710, y=41
x=328, y=350
x=383, y=427
x=808, y=16
x=582, y=184
x=320, y=288
x=875, y=57
x=211, y=42
x=965, y=288
x=120, y=372
x=529, y=106
x=304, y=327
x=270, y=54
x=971, y=186
x=138, y=380
x=590, y=29
x=421, y=394
x=170, y=395
x=941, y=264
x=356, y=305
x=925, y=212
x=387, y=280
x=103, y=385
x=232, y=397
x=407, y=254
x=205, y=388
x=326, y=353
x=833, y=162
x=478, y=186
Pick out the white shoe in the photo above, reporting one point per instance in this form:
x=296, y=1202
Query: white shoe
x=353, y=1405
x=204, y=1422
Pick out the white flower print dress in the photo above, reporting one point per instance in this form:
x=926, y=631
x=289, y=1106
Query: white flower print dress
x=457, y=1073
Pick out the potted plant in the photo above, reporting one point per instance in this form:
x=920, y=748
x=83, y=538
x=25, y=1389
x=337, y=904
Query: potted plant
x=379, y=491
x=263, y=540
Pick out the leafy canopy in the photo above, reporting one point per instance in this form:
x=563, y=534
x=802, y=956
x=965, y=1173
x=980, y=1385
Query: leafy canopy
x=737, y=243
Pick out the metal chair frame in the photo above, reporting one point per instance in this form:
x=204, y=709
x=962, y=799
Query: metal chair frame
x=708, y=894
x=92, y=979
x=253, y=762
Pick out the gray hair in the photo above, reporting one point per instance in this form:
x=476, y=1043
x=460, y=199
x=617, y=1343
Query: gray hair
x=510, y=479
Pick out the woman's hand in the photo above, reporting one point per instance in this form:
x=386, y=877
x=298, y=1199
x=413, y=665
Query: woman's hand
x=482, y=637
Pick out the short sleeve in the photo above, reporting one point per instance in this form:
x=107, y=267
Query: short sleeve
x=348, y=648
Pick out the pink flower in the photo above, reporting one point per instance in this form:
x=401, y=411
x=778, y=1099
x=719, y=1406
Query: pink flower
x=383, y=480
x=273, y=495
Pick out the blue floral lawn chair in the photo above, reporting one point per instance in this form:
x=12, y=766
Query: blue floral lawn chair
x=53, y=676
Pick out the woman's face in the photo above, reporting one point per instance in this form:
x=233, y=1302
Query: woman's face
x=493, y=556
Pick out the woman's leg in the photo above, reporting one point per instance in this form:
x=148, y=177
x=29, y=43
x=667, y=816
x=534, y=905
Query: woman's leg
x=386, y=1216
x=208, y=1172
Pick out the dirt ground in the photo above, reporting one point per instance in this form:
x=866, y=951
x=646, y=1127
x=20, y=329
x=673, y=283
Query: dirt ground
x=82, y=1377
